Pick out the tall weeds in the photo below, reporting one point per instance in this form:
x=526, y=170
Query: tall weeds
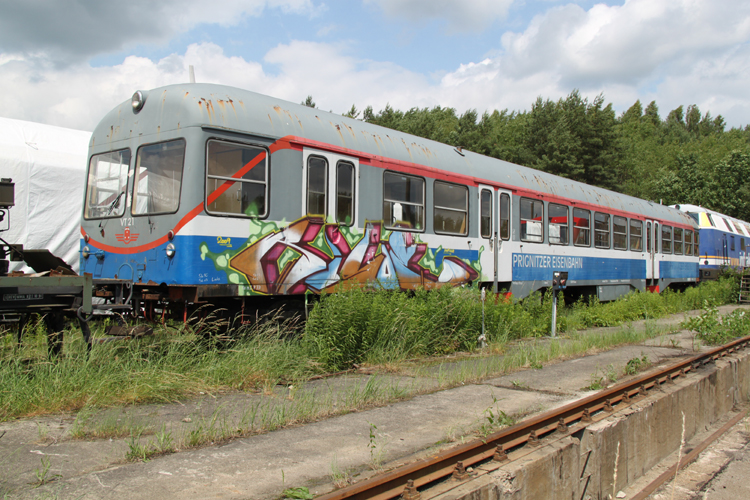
x=346, y=329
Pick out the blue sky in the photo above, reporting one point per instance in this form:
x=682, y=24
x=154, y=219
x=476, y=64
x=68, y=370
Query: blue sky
x=68, y=62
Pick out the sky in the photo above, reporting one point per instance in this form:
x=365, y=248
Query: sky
x=68, y=62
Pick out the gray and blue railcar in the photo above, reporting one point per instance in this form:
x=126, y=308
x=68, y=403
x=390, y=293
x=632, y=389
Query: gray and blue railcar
x=724, y=240
x=204, y=193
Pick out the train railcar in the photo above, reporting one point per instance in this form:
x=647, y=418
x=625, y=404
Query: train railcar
x=205, y=193
x=724, y=240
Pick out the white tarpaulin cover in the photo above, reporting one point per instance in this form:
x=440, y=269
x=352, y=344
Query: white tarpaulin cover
x=48, y=166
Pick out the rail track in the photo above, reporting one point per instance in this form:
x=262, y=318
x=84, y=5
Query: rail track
x=491, y=451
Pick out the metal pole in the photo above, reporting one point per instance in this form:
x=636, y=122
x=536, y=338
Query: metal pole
x=554, y=312
x=482, y=340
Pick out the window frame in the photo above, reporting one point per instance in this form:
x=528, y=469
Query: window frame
x=504, y=227
x=522, y=220
x=122, y=189
x=635, y=223
x=599, y=231
x=678, y=249
x=668, y=231
x=436, y=207
x=483, y=217
x=689, y=242
x=136, y=179
x=265, y=183
x=389, y=225
x=587, y=228
x=353, y=213
x=623, y=236
x=566, y=226
x=326, y=180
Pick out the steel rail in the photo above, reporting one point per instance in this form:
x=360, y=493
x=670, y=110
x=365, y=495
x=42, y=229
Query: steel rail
x=392, y=484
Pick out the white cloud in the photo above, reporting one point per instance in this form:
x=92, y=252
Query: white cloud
x=79, y=96
x=673, y=51
x=461, y=15
x=625, y=43
x=69, y=31
x=639, y=50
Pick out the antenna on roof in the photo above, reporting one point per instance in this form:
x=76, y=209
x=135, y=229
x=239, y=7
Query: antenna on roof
x=192, y=74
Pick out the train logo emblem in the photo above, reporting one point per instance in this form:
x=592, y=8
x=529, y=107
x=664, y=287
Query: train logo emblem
x=126, y=237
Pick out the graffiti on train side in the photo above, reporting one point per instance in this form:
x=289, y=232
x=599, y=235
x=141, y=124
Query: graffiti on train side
x=312, y=255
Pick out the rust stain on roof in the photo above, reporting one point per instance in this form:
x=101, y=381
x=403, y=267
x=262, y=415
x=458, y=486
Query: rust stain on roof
x=338, y=129
x=350, y=129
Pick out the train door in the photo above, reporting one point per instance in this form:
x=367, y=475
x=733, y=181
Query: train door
x=494, y=228
x=488, y=231
x=505, y=272
x=330, y=187
x=652, y=249
x=649, y=251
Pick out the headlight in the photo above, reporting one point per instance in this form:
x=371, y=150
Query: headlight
x=138, y=100
x=170, y=250
x=86, y=252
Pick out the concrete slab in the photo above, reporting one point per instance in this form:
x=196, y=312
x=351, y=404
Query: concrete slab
x=261, y=466
x=577, y=376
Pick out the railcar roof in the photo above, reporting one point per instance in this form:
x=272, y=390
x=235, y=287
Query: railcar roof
x=199, y=105
x=697, y=208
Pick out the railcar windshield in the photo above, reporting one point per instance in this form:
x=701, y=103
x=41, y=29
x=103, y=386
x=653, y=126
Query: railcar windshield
x=158, y=178
x=106, y=185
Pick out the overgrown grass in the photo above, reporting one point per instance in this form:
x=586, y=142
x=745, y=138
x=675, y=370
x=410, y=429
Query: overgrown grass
x=713, y=329
x=380, y=327
x=344, y=330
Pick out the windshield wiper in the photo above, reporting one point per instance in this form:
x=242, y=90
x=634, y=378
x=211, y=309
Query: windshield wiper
x=115, y=203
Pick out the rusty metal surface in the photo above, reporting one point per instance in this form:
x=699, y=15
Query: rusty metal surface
x=573, y=417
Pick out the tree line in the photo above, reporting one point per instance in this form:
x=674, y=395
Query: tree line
x=687, y=157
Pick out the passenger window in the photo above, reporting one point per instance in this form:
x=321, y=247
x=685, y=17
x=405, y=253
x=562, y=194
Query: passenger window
x=581, y=227
x=666, y=239
x=485, y=209
x=345, y=193
x=558, y=224
x=403, y=201
x=158, y=178
x=601, y=230
x=317, y=180
x=532, y=214
x=648, y=237
x=236, y=179
x=636, y=235
x=504, y=216
x=688, y=242
x=620, y=232
x=106, y=185
x=451, y=208
x=678, y=241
